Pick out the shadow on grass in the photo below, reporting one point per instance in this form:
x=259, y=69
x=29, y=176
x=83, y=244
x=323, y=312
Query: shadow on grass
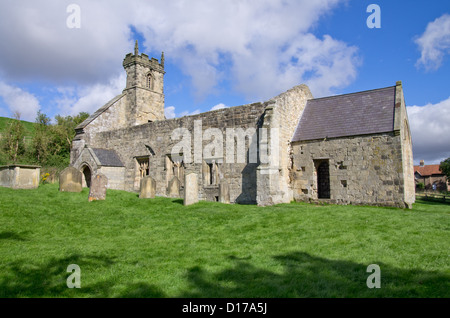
x=45, y=280
x=299, y=275
x=142, y=290
x=432, y=201
x=50, y=280
x=178, y=201
x=11, y=236
x=304, y=275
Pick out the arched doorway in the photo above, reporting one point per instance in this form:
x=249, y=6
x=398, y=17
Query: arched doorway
x=87, y=174
x=323, y=180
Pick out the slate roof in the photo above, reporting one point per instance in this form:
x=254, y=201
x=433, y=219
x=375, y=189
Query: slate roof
x=353, y=114
x=108, y=158
x=428, y=170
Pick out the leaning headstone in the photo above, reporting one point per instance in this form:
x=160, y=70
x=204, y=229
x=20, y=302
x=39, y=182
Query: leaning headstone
x=70, y=180
x=148, y=188
x=174, y=188
x=190, y=189
x=224, y=192
x=98, y=187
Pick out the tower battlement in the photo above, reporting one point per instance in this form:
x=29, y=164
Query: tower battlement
x=144, y=87
x=144, y=60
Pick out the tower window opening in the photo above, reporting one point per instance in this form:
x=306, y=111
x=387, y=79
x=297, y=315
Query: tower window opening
x=149, y=81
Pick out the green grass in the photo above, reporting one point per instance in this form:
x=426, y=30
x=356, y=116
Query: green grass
x=127, y=247
x=29, y=128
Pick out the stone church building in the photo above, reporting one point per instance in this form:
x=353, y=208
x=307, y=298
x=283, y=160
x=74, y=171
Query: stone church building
x=346, y=149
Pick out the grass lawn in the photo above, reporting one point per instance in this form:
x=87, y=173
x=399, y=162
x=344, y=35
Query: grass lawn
x=127, y=247
x=29, y=128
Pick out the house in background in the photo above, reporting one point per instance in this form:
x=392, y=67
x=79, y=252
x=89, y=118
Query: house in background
x=431, y=176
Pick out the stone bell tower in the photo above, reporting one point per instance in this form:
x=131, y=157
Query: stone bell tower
x=145, y=87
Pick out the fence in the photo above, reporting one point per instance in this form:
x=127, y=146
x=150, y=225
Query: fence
x=433, y=197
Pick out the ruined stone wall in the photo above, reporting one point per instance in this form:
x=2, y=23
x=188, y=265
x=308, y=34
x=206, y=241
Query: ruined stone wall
x=283, y=113
x=402, y=123
x=362, y=169
x=131, y=142
x=115, y=177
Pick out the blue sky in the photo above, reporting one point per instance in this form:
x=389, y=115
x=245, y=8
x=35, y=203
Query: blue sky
x=229, y=53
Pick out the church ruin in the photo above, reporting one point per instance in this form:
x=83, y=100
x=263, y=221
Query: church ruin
x=346, y=149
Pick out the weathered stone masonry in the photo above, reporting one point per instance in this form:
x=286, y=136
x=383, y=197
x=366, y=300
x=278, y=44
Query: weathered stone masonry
x=362, y=170
x=369, y=159
x=129, y=138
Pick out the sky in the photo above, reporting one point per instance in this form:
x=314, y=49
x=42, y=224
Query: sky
x=64, y=57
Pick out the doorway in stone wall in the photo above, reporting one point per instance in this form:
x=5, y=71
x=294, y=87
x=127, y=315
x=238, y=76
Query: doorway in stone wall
x=323, y=179
x=87, y=175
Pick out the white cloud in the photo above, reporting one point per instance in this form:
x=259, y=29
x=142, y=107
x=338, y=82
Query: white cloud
x=219, y=106
x=88, y=98
x=169, y=112
x=20, y=101
x=262, y=47
x=43, y=47
x=434, y=43
x=430, y=131
x=323, y=64
x=187, y=113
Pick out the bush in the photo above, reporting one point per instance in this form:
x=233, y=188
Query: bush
x=51, y=173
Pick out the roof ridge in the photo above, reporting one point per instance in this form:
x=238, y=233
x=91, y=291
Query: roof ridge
x=355, y=93
x=353, y=114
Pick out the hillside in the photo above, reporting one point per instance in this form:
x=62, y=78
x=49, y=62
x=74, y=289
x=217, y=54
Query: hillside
x=29, y=127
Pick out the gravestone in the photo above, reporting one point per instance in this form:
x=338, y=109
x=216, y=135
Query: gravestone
x=190, y=189
x=224, y=192
x=174, y=188
x=148, y=188
x=70, y=180
x=98, y=187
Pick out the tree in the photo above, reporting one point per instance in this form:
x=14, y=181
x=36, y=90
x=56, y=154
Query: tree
x=445, y=167
x=41, y=138
x=12, y=142
x=66, y=127
x=52, y=143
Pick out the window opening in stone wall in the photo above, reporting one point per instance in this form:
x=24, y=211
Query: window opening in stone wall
x=174, y=169
x=178, y=171
x=144, y=169
x=149, y=81
x=210, y=173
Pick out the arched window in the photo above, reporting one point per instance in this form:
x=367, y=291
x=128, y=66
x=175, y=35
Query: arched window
x=149, y=83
